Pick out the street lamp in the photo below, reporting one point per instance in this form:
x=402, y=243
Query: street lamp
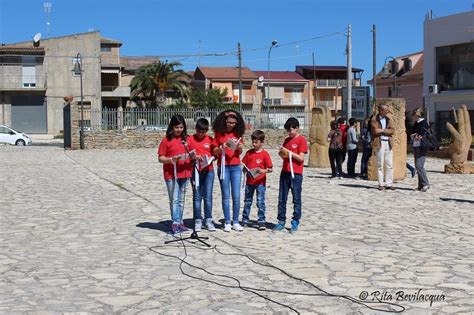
x=78, y=69
x=274, y=43
x=386, y=73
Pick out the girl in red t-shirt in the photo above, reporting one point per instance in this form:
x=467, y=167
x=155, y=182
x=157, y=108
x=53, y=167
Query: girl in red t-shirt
x=176, y=169
x=229, y=129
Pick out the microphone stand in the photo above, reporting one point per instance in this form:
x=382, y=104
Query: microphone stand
x=194, y=234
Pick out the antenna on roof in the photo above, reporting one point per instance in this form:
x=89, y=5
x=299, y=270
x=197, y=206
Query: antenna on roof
x=47, y=10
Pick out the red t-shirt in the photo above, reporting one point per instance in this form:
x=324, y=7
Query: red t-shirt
x=170, y=148
x=296, y=145
x=343, y=128
x=254, y=159
x=231, y=157
x=203, y=146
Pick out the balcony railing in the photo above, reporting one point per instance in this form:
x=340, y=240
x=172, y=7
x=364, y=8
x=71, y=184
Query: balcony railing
x=285, y=101
x=335, y=83
x=115, y=91
x=330, y=104
x=20, y=82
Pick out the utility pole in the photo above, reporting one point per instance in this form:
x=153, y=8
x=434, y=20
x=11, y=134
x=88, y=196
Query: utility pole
x=374, y=63
x=349, y=72
x=239, y=53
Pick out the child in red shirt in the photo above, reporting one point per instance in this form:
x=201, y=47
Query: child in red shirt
x=176, y=169
x=257, y=163
x=229, y=129
x=292, y=152
x=203, y=145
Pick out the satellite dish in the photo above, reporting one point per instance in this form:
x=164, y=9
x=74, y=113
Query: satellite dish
x=36, y=39
x=261, y=78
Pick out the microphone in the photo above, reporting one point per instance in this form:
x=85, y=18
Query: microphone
x=183, y=142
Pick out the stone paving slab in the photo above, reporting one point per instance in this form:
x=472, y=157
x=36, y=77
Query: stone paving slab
x=77, y=227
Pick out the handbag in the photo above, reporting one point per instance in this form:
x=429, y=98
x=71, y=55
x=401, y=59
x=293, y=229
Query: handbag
x=429, y=141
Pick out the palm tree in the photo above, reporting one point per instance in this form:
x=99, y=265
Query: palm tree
x=155, y=81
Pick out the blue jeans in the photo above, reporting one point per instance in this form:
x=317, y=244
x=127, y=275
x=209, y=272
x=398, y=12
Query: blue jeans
x=231, y=183
x=176, y=194
x=249, y=190
x=286, y=184
x=203, y=192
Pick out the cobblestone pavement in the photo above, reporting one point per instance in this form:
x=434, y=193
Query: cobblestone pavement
x=83, y=231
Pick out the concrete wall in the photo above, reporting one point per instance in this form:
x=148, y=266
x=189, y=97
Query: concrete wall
x=448, y=30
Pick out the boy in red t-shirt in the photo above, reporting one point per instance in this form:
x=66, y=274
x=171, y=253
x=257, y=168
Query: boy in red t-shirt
x=203, y=146
x=257, y=163
x=292, y=152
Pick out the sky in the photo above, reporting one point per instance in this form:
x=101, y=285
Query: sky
x=187, y=27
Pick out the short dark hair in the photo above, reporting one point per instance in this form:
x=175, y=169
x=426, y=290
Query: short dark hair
x=333, y=125
x=292, y=122
x=352, y=121
x=202, y=124
x=341, y=120
x=258, y=135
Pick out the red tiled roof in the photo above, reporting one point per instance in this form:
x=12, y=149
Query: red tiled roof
x=226, y=73
x=281, y=75
x=415, y=73
x=16, y=50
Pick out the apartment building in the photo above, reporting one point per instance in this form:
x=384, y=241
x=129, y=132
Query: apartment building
x=328, y=82
x=448, y=79
x=228, y=78
x=403, y=78
x=35, y=80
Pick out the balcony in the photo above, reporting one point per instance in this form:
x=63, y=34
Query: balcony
x=15, y=82
x=285, y=101
x=333, y=83
x=330, y=104
x=115, y=91
x=246, y=99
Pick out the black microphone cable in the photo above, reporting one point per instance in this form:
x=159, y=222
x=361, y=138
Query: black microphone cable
x=398, y=308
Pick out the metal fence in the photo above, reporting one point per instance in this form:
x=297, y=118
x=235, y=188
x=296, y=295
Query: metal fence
x=133, y=118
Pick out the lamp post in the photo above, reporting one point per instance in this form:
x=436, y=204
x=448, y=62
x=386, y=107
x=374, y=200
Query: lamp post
x=386, y=73
x=274, y=43
x=78, y=69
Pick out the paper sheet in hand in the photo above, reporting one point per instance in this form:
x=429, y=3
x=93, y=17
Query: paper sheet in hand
x=232, y=144
x=254, y=172
x=206, y=160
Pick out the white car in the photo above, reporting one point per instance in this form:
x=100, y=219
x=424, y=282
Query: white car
x=11, y=136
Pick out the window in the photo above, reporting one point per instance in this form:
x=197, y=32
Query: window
x=406, y=65
x=105, y=49
x=394, y=67
x=455, y=67
x=28, y=71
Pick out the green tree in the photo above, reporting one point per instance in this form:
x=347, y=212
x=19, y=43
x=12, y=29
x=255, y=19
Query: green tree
x=209, y=99
x=154, y=82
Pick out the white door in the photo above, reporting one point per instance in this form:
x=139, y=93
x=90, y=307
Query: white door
x=297, y=96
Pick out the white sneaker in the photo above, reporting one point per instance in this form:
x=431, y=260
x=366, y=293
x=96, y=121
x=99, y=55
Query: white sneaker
x=210, y=226
x=237, y=227
x=198, y=225
x=227, y=227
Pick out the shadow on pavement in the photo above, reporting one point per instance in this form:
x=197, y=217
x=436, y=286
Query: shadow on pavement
x=372, y=187
x=457, y=200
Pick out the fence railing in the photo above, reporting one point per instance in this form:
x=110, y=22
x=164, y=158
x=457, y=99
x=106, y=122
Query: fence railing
x=157, y=119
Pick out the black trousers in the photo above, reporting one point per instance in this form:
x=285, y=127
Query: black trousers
x=351, y=162
x=335, y=158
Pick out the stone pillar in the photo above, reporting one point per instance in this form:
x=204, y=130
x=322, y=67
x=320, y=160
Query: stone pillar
x=120, y=118
x=319, y=145
x=397, y=114
x=75, y=126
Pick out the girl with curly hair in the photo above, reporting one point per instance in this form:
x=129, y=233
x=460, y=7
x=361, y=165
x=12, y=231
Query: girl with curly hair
x=176, y=170
x=229, y=128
